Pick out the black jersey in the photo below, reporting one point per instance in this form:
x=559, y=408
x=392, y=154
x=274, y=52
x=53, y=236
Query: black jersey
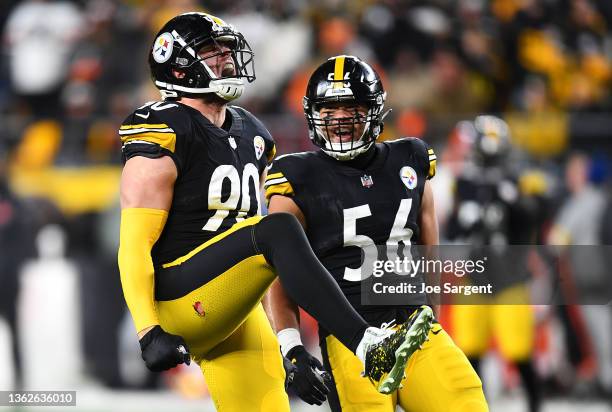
x=489, y=208
x=348, y=208
x=493, y=214
x=218, y=170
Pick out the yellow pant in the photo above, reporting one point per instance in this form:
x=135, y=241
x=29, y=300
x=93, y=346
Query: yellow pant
x=512, y=326
x=439, y=379
x=226, y=329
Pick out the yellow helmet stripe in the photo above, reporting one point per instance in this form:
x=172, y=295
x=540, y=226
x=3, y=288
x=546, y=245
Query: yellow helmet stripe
x=216, y=19
x=339, y=72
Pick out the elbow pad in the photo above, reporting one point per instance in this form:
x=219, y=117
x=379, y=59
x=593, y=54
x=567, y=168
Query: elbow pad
x=140, y=229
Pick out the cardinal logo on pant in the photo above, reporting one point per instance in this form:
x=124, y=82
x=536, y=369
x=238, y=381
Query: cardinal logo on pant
x=199, y=308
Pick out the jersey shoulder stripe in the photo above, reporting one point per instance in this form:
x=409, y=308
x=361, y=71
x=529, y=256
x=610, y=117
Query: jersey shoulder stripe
x=155, y=129
x=277, y=184
x=159, y=134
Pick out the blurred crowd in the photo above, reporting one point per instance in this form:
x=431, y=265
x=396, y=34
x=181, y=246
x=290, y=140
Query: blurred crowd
x=72, y=70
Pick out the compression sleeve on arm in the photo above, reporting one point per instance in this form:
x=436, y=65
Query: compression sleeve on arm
x=140, y=229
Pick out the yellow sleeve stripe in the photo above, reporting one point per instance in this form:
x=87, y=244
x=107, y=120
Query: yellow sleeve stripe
x=143, y=126
x=432, y=169
x=274, y=176
x=430, y=151
x=273, y=182
x=272, y=153
x=284, y=189
x=165, y=140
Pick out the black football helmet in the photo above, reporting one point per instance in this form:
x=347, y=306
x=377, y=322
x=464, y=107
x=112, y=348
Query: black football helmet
x=491, y=143
x=176, y=47
x=345, y=80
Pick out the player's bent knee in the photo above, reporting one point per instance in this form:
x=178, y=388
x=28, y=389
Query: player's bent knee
x=276, y=230
x=454, y=370
x=279, y=222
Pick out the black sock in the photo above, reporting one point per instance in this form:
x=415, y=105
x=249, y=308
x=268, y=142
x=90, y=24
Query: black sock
x=281, y=239
x=530, y=383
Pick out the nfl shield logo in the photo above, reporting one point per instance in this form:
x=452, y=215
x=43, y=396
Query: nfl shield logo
x=366, y=181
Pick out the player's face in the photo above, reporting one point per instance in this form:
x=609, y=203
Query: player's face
x=218, y=56
x=343, y=123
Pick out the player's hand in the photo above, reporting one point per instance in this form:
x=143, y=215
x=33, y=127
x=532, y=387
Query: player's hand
x=290, y=371
x=162, y=350
x=310, y=381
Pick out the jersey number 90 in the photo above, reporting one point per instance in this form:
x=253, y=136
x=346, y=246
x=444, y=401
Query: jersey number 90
x=238, y=185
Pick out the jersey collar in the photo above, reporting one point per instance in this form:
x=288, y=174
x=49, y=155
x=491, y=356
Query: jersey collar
x=235, y=129
x=382, y=152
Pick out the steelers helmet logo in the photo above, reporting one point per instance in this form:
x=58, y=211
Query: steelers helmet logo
x=162, y=48
x=260, y=145
x=409, y=177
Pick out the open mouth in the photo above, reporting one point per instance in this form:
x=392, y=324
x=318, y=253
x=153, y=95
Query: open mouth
x=228, y=69
x=342, y=135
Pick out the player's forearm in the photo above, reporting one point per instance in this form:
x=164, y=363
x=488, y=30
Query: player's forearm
x=140, y=229
x=284, y=313
x=430, y=239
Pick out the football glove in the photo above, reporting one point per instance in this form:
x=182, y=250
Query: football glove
x=162, y=350
x=310, y=382
x=290, y=370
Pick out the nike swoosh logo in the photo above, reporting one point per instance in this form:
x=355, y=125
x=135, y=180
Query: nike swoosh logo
x=143, y=116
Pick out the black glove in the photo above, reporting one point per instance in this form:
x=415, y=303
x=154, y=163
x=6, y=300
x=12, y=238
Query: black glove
x=310, y=381
x=162, y=351
x=290, y=371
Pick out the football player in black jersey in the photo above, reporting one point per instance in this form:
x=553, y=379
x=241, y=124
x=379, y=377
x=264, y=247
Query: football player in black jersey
x=351, y=194
x=496, y=205
x=195, y=256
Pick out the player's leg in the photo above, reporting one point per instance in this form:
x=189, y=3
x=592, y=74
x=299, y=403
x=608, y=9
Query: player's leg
x=351, y=392
x=245, y=371
x=514, y=328
x=471, y=330
x=440, y=379
x=281, y=239
x=207, y=294
x=228, y=275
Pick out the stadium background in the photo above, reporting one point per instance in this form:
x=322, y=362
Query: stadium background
x=72, y=70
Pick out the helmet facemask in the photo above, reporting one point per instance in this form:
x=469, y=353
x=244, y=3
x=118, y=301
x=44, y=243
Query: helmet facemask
x=344, y=137
x=230, y=85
